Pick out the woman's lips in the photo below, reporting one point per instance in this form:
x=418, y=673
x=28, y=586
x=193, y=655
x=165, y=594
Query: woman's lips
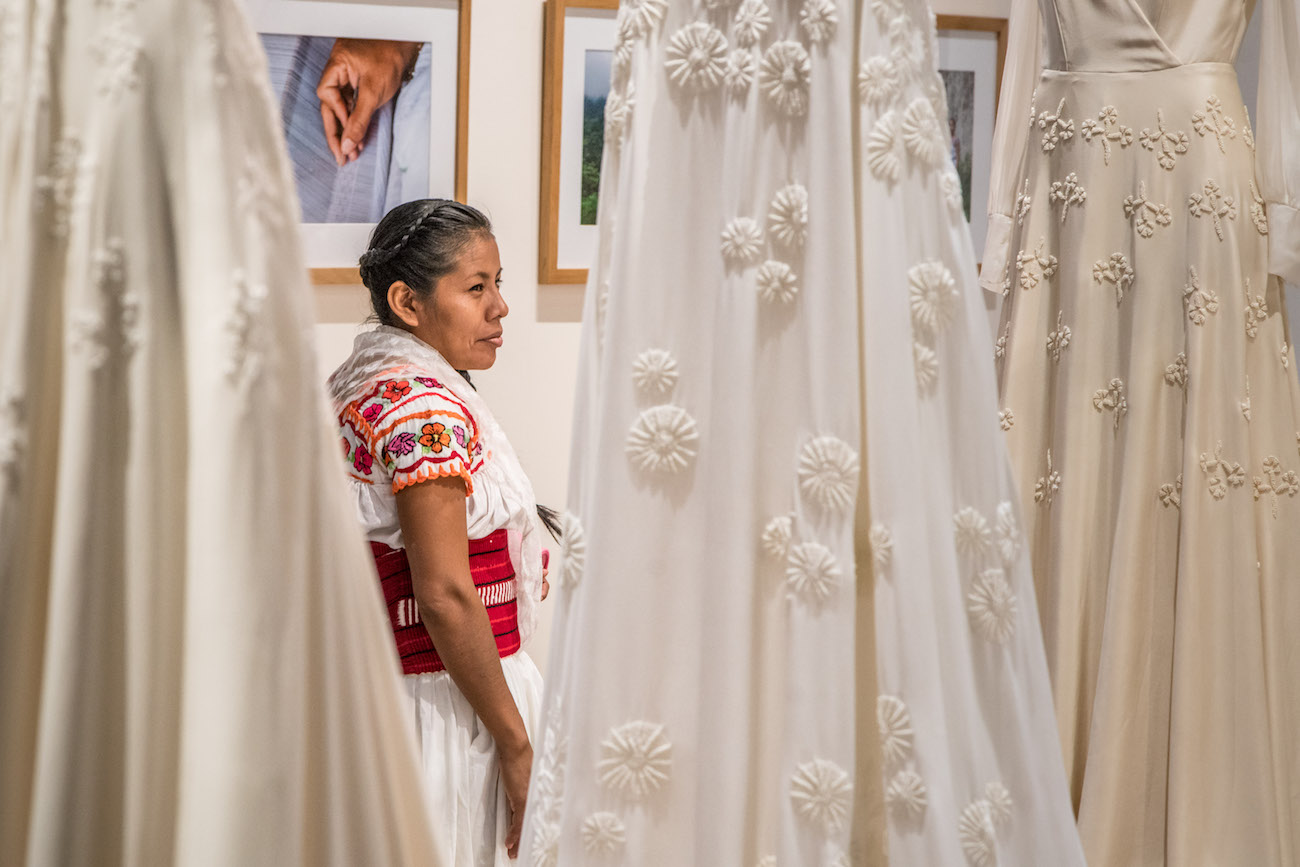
x=495, y=341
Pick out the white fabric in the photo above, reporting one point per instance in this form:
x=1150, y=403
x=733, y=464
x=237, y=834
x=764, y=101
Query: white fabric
x=701, y=703
x=461, y=771
x=195, y=666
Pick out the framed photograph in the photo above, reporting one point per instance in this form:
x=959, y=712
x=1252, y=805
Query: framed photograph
x=577, y=57
x=399, y=70
x=972, y=52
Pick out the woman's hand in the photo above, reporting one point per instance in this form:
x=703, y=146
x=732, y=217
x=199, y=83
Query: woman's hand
x=360, y=76
x=516, y=767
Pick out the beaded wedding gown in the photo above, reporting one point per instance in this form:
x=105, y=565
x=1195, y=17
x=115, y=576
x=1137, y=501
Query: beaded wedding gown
x=195, y=666
x=1149, y=393
x=796, y=623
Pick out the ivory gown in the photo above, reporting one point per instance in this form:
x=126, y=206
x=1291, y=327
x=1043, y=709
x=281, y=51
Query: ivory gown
x=195, y=667
x=785, y=300
x=1149, y=391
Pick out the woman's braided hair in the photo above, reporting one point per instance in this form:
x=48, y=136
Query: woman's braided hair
x=417, y=243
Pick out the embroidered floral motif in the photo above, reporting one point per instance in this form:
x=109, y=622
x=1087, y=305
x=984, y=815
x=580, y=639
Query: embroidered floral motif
x=1285, y=353
x=400, y=445
x=977, y=834
x=933, y=297
x=811, y=573
x=820, y=791
x=1006, y=419
x=1164, y=143
x=1023, y=203
x=244, y=328
x=878, y=82
x=1059, y=339
x=644, y=15
x=1057, y=128
x=1035, y=265
x=1211, y=119
x=1245, y=404
x=546, y=844
x=882, y=153
x=1145, y=213
x=1108, y=130
x=783, y=77
x=1176, y=373
x=655, y=372
x=921, y=133
x=1007, y=532
x=1201, y=303
x=950, y=183
x=663, y=440
x=818, y=20
x=971, y=532
x=57, y=187
x=1256, y=311
x=362, y=461
x=992, y=606
x=895, y=724
x=1258, y=214
x=1277, y=481
x=1067, y=192
x=111, y=320
x=1220, y=473
x=1111, y=399
x=1046, y=487
x=636, y=759
x=119, y=51
x=618, y=114
x=777, y=536
x=396, y=390
x=828, y=473
x=1247, y=134
x=603, y=834
x=1000, y=346
x=926, y=367
x=1117, y=271
x=428, y=382
x=697, y=57
x=882, y=545
x=1212, y=203
x=752, y=21
x=434, y=437
x=573, y=550
x=906, y=796
x=739, y=74
x=742, y=241
x=776, y=282
x=1172, y=494
x=787, y=216
x=1000, y=803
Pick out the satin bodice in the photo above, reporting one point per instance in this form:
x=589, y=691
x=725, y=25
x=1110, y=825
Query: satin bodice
x=1141, y=35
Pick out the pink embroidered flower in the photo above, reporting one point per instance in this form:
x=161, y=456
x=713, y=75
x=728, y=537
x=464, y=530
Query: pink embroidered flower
x=402, y=444
x=362, y=460
x=372, y=412
x=396, y=390
x=460, y=436
x=427, y=382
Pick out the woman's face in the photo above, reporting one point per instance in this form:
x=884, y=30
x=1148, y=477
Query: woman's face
x=462, y=317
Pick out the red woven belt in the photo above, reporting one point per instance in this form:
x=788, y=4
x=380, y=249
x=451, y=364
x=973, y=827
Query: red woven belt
x=494, y=576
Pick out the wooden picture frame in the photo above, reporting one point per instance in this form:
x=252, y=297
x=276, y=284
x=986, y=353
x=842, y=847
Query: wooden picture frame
x=448, y=149
x=551, y=232
x=972, y=56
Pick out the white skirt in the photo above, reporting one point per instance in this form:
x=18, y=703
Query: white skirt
x=468, y=803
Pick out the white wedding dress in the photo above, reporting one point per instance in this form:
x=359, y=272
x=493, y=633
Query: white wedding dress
x=195, y=668
x=796, y=623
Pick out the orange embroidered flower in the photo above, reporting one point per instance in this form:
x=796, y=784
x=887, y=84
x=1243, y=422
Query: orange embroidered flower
x=435, y=437
x=396, y=390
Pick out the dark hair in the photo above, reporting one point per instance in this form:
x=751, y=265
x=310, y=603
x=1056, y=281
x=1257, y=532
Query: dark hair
x=417, y=242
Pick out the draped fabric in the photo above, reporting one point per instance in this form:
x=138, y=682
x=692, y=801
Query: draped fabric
x=194, y=661
x=795, y=623
x=1148, y=383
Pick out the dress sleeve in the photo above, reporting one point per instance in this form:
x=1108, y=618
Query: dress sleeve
x=1278, y=137
x=416, y=430
x=1011, y=137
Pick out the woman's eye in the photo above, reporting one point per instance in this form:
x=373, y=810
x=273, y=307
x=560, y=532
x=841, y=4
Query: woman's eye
x=477, y=287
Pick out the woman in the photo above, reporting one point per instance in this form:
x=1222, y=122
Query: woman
x=450, y=516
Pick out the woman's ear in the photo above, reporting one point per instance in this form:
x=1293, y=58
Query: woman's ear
x=402, y=301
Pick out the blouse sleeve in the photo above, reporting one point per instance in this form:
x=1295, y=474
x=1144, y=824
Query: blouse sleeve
x=1011, y=136
x=1278, y=137
x=416, y=430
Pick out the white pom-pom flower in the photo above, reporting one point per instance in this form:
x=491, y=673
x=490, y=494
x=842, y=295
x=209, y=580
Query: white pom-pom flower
x=828, y=473
x=697, y=57
x=655, y=372
x=784, y=76
x=776, y=282
x=787, y=216
x=663, y=440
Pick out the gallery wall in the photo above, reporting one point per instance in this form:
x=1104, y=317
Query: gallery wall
x=531, y=387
